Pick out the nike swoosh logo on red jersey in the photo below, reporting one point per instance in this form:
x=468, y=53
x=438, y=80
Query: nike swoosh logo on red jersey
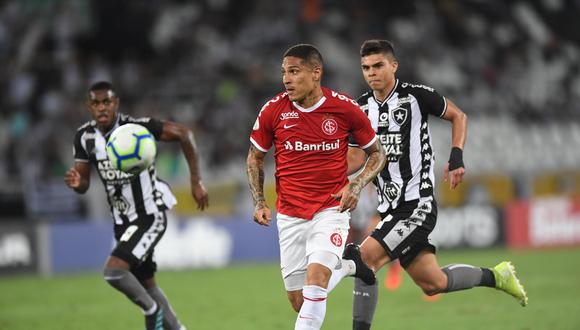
x=288, y=126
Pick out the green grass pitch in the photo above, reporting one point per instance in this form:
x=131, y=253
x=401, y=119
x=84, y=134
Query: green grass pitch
x=252, y=297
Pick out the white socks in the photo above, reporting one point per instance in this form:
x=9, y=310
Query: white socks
x=348, y=268
x=313, y=309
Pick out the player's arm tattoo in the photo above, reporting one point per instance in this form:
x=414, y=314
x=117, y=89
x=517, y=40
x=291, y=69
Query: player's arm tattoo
x=375, y=163
x=255, y=171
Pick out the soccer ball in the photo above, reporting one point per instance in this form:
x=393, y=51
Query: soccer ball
x=131, y=148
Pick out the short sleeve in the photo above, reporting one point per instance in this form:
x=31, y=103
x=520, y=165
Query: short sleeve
x=351, y=141
x=155, y=126
x=79, y=152
x=362, y=101
x=362, y=133
x=430, y=101
x=262, y=134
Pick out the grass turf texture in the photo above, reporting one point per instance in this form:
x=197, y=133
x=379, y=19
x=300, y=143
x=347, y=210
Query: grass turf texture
x=253, y=297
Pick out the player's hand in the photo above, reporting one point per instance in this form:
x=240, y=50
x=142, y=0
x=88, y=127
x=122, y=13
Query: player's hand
x=262, y=214
x=199, y=194
x=72, y=178
x=348, y=197
x=455, y=177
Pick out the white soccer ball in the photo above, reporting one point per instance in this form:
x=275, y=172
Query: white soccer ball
x=131, y=148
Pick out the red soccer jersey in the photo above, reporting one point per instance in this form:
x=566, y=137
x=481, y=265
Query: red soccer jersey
x=311, y=146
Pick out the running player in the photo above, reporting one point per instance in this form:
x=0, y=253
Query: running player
x=399, y=113
x=138, y=202
x=309, y=127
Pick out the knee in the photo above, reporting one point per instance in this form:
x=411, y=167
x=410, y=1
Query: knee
x=320, y=278
x=371, y=258
x=320, y=266
x=113, y=275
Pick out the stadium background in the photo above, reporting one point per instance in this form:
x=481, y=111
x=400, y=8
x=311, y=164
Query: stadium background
x=513, y=67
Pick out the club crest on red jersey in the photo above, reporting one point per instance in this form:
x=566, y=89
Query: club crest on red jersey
x=336, y=239
x=329, y=126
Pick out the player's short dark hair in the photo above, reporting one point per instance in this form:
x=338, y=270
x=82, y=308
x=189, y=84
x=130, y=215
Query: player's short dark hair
x=102, y=86
x=377, y=46
x=307, y=53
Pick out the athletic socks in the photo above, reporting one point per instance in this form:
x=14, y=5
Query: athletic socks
x=487, y=278
x=459, y=277
x=462, y=277
x=365, y=299
x=170, y=321
x=313, y=309
x=347, y=268
x=125, y=282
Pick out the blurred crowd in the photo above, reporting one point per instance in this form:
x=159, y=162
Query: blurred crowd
x=211, y=64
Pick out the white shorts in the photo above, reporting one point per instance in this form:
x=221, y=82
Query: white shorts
x=299, y=238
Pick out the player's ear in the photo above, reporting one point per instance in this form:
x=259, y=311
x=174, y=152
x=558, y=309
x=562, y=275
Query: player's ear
x=394, y=66
x=317, y=73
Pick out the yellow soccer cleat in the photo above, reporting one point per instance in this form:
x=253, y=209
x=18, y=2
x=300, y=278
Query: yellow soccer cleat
x=507, y=281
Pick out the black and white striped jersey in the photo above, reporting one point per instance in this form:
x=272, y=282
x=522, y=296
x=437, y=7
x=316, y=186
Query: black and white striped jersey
x=130, y=196
x=401, y=124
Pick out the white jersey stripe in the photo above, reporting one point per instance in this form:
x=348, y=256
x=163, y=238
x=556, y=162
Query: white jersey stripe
x=124, y=191
x=258, y=146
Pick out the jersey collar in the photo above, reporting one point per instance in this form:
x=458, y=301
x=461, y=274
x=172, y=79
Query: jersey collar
x=389, y=96
x=312, y=108
x=114, y=126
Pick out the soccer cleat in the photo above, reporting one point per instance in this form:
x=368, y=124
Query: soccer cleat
x=507, y=281
x=155, y=320
x=352, y=252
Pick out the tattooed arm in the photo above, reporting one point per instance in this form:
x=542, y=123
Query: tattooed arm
x=349, y=195
x=255, y=171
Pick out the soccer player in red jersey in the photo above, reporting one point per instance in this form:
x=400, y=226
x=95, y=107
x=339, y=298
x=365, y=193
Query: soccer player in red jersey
x=309, y=126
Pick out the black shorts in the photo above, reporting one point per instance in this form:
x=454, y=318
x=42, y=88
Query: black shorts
x=404, y=231
x=136, y=243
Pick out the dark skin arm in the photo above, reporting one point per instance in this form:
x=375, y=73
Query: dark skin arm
x=176, y=132
x=78, y=177
x=255, y=171
x=458, y=121
x=349, y=195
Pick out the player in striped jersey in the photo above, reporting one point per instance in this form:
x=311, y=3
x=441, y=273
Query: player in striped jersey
x=138, y=202
x=399, y=112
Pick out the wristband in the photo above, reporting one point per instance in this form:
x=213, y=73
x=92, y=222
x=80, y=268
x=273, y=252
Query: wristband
x=456, y=159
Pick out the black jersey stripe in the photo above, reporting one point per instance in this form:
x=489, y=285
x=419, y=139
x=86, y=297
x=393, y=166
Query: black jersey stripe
x=137, y=192
x=382, y=129
x=426, y=185
x=405, y=160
